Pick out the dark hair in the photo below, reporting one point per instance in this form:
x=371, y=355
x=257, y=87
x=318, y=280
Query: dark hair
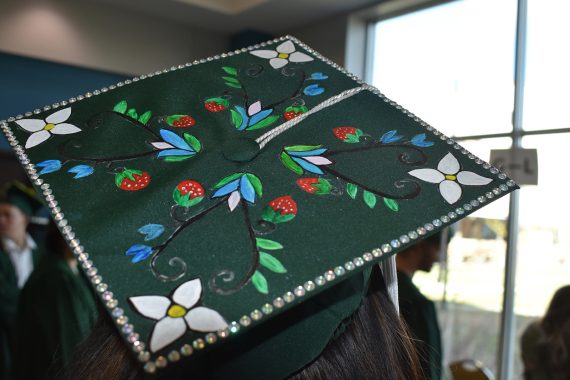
x=554, y=350
x=375, y=345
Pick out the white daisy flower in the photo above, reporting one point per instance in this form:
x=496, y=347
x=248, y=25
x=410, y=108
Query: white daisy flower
x=42, y=130
x=284, y=54
x=449, y=176
x=178, y=313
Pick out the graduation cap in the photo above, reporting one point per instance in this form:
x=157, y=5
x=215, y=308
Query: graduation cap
x=205, y=200
x=21, y=196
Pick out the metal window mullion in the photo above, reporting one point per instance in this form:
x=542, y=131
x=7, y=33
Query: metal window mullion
x=508, y=323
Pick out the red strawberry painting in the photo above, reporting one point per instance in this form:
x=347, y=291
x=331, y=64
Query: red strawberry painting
x=132, y=180
x=180, y=121
x=319, y=186
x=280, y=210
x=294, y=111
x=216, y=104
x=348, y=134
x=188, y=193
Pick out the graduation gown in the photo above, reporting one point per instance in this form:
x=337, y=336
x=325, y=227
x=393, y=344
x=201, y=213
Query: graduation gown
x=57, y=310
x=9, y=294
x=421, y=317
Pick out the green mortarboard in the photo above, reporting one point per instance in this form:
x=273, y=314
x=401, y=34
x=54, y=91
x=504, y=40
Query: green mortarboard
x=206, y=200
x=21, y=196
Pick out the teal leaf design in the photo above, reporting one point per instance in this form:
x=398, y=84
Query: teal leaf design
x=193, y=142
x=392, y=204
x=351, y=190
x=258, y=280
x=234, y=85
x=230, y=70
x=256, y=183
x=290, y=164
x=120, y=107
x=263, y=123
x=145, y=117
x=237, y=120
x=231, y=80
x=369, y=198
x=271, y=263
x=268, y=244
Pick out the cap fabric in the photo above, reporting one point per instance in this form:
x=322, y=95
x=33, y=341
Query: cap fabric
x=206, y=200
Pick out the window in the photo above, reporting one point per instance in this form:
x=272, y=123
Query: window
x=454, y=65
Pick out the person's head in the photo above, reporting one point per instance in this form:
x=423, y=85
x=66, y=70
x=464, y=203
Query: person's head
x=372, y=343
x=420, y=256
x=17, y=204
x=558, y=313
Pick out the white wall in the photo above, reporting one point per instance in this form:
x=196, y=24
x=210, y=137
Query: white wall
x=97, y=36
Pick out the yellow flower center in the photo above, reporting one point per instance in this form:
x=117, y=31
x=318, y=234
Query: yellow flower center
x=283, y=55
x=49, y=127
x=176, y=311
x=450, y=177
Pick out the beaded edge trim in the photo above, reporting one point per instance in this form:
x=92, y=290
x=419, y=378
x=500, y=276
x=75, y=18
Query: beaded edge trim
x=288, y=297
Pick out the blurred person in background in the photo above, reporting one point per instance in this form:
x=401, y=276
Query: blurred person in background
x=545, y=344
x=418, y=311
x=19, y=254
x=56, y=311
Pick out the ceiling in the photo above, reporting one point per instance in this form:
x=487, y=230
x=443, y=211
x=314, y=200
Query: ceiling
x=229, y=16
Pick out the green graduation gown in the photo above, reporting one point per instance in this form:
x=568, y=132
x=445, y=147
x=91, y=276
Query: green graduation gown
x=421, y=317
x=57, y=310
x=9, y=294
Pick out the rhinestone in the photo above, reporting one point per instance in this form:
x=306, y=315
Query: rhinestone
x=459, y=211
x=457, y=146
x=395, y=243
x=467, y=207
x=174, y=356
x=245, y=321
x=107, y=296
x=445, y=219
x=300, y=291
x=234, y=327
x=368, y=256
x=211, y=338
x=138, y=346
x=224, y=333
x=386, y=248
x=150, y=367
x=320, y=280
x=339, y=271
x=161, y=362
x=511, y=183
x=486, y=166
x=122, y=320
x=496, y=191
x=502, y=176
x=116, y=313
x=377, y=252
x=91, y=271
x=288, y=297
x=464, y=151
x=112, y=303
x=471, y=156
x=349, y=265
x=452, y=215
x=358, y=261
x=256, y=315
x=503, y=187
x=187, y=350
x=474, y=203
x=127, y=329
x=404, y=239
x=102, y=287
x=144, y=356
x=494, y=170
x=329, y=275
x=278, y=302
x=198, y=344
x=423, y=230
x=96, y=280
x=489, y=195
x=478, y=161
x=309, y=286
x=267, y=308
x=87, y=264
x=133, y=337
x=88, y=95
x=481, y=199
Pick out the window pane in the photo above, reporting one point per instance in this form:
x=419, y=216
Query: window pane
x=543, y=256
x=452, y=65
x=468, y=285
x=547, y=62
